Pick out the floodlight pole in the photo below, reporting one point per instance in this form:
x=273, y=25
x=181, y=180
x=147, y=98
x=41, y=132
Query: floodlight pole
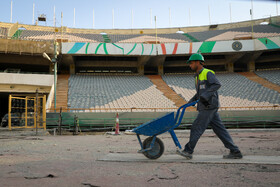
x=93, y=18
x=54, y=60
x=276, y=7
x=156, y=27
x=230, y=12
x=209, y=14
x=252, y=18
x=74, y=19
x=151, y=17
x=169, y=17
x=190, y=16
x=131, y=18
x=54, y=17
x=33, y=20
x=11, y=19
x=113, y=21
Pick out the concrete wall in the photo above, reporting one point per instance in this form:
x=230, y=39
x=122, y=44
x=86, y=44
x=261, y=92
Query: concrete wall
x=26, y=46
x=140, y=49
x=26, y=79
x=28, y=83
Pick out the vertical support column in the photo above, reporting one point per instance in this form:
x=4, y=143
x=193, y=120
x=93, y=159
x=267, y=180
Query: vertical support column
x=44, y=112
x=230, y=67
x=51, y=67
x=72, y=69
x=26, y=110
x=34, y=113
x=9, y=112
x=37, y=109
x=142, y=60
x=160, y=70
x=140, y=70
x=55, y=84
x=251, y=66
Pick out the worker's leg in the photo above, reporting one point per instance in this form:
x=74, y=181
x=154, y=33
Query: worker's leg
x=222, y=132
x=198, y=127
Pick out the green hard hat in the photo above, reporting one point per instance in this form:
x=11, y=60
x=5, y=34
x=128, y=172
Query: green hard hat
x=196, y=56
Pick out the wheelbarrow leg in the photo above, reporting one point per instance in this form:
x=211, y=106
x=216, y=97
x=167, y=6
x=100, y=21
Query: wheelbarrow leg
x=140, y=142
x=175, y=139
x=147, y=149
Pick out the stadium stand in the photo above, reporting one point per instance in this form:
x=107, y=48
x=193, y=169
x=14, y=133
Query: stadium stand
x=115, y=91
x=236, y=90
x=204, y=35
x=142, y=38
x=49, y=36
x=270, y=75
x=3, y=32
x=115, y=38
x=126, y=91
x=152, y=38
x=35, y=35
x=89, y=37
x=260, y=31
x=258, y=28
x=175, y=36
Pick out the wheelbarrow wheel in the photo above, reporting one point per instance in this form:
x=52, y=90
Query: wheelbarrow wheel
x=157, y=149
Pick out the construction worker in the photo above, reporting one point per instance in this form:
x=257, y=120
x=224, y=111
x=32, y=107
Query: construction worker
x=207, y=86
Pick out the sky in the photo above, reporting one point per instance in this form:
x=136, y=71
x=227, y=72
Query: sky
x=183, y=13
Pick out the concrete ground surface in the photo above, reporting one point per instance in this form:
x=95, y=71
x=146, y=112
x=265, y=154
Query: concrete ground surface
x=47, y=160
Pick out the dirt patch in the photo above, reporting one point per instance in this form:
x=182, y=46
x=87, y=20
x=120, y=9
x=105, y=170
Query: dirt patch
x=72, y=161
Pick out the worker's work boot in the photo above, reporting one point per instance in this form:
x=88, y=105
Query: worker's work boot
x=185, y=154
x=233, y=155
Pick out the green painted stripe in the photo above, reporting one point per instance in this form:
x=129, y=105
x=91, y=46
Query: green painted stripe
x=87, y=48
x=76, y=47
x=268, y=43
x=142, y=49
x=132, y=49
x=96, y=50
x=105, y=48
x=118, y=47
x=152, y=49
x=207, y=47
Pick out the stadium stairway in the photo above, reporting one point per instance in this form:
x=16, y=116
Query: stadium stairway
x=17, y=34
x=61, y=92
x=106, y=38
x=193, y=39
x=255, y=78
x=166, y=90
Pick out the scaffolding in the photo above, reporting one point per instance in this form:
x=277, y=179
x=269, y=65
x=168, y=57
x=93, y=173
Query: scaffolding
x=27, y=111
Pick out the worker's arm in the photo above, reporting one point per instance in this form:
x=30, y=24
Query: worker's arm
x=214, y=85
x=194, y=98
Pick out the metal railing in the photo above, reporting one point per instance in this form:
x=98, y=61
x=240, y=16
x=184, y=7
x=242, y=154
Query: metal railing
x=135, y=109
x=101, y=124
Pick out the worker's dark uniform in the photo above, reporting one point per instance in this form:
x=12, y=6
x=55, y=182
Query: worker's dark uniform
x=206, y=87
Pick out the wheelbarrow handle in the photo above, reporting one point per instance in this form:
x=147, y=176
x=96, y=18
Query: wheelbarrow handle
x=182, y=113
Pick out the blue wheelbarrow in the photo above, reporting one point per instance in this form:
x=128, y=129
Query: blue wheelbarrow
x=152, y=147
